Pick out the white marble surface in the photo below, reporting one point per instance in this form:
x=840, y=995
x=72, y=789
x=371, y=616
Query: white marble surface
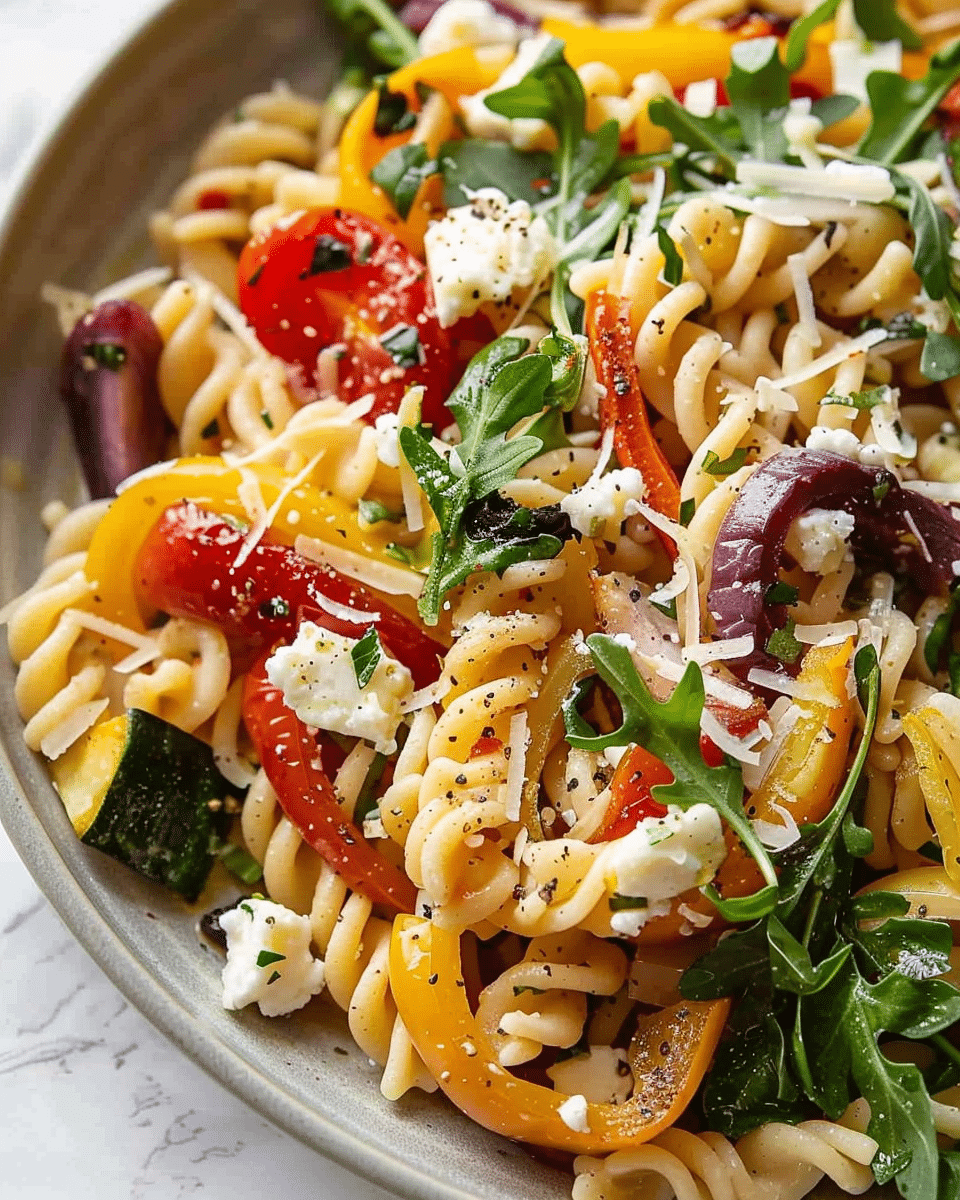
x=94, y=1103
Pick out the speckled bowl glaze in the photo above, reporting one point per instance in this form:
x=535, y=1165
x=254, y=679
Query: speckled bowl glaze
x=77, y=218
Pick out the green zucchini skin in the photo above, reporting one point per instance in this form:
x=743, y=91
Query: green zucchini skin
x=156, y=816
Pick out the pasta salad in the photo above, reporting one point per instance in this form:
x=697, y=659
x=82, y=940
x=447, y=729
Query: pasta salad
x=523, y=545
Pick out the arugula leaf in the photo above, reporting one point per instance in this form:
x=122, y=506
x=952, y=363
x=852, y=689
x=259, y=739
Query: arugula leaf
x=933, y=235
x=881, y=22
x=500, y=388
x=671, y=732
x=478, y=162
x=938, y=638
x=900, y=107
x=796, y=49
x=941, y=356
x=759, y=89
x=833, y=109
x=374, y=25
x=401, y=172
x=717, y=135
x=791, y=968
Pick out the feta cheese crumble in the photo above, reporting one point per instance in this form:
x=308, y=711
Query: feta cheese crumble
x=662, y=857
x=600, y=500
x=484, y=251
x=466, y=23
x=573, y=1113
x=268, y=958
x=818, y=539
x=317, y=678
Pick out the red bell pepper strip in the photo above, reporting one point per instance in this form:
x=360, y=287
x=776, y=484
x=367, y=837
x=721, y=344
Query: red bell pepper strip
x=186, y=568
x=623, y=407
x=291, y=758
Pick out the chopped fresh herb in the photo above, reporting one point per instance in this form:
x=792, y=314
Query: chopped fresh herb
x=932, y=851
x=903, y=326
x=401, y=172
x=365, y=656
x=211, y=430
x=667, y=607
x=368, y=802
x=783, y=645
x=276, y=606
x=266, y=419
x=267, y=958
x=372, y=512
x=402, y=343
x=247, y=909
x=329, y=254
x=714, y=465
x=394, y=114
x=781, y=312
x=620, y=903
x=880, y=490
x=673, y=267
x=238, y=862
x=520, y=988
x=400, y=553
x=781, y=593
x=107, y=354
x=255, y=277
x=796, y=49
x=687, y=510
x=861, y=401
x=671, y=732
x=375, y=28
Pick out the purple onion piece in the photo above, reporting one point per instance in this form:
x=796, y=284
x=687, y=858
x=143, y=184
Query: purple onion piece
x=896, y=530
x=416, y=14
x=108, y=381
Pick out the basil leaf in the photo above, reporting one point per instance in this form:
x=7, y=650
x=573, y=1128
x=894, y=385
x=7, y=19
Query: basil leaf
x=266, y=958
x=401, y=172
x=476, y=163
x=365, y=656
x=900, y=107
x=781, y=593
x=402, y=343
x=329, y=254
x=394, y=114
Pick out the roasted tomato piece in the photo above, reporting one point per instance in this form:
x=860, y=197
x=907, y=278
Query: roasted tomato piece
x=337, y=279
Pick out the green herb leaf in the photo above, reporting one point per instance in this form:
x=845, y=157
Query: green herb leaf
x=861, y=401
x=365, y=656
x=833, y=109
x=714, y=465
x=402, y=343
x=401, y=172
x=796, y=48
x=478, y=162
x=717, y=135
x=329, y=254
x=687, y=509
x=940, y=359
x=671, y=732
x=241, y=864
x=367, y=800
x=759, y=89
x=107, y=354
x=673, y=268
x=372, y=512
x=211, y=429
x=783, y=645
x=374, y=25
x=881, y=22
x=900, y=107
x=791, y=968
x=267, y=957
x=620, y=903
x=781, y=593
x=394, y=114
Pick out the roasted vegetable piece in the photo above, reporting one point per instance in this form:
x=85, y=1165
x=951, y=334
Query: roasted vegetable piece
x=669, y=1055
x=149, y=795
x=293, y=761
x=895, y=530
x=186, y=568
x=108, y=381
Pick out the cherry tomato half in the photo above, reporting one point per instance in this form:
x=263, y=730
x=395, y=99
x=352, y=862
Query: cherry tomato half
x=631, y=799
x=336, y=278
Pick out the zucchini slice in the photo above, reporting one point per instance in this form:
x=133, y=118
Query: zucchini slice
x=149, y=795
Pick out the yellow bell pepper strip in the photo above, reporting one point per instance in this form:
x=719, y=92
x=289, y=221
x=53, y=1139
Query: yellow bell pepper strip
x=803, y=779
x=212, y=485
x=933, y=734
x=456, y=73
x=687, y=53
x=669, y=1055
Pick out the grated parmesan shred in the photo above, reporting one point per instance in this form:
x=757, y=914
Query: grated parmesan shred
x=393, y=581
x=738, y=748
x=720, y=650
x=803, y=292
x=62, y=736
x=513, y=785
